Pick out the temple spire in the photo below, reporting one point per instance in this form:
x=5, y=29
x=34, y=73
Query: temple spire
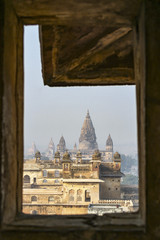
x=87, y=140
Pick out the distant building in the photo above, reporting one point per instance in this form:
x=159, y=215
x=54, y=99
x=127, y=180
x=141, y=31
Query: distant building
x=87, y=140
x=109, y=149
x=31, y=151
x=83, y=180
x=75, y=147
x=50, y=150
x=67, y=186
x=61, y=147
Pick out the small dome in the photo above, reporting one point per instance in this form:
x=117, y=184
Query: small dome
x=96, y=155
x=66, y=156
x=109, y=141
x=117, y=155
x=57, y=154
x=38, y=154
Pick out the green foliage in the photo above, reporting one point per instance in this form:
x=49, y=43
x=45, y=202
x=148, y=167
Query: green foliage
x=129, y=179
x=127, y=163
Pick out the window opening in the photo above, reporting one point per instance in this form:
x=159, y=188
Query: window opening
x=71, y=195
x=56, y=173
x=87, y=196
x=79, y=195
x=44, y=173
x=34, y=212
x=33, y=198
x=93, y=147
x=26, y=179
x=50, y=199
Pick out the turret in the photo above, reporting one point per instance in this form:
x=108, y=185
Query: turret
x=66, y=165
x=117, y=160
x=79, y=157
x=96, y=161
x=37, y=156
x=57, y=158
x=117, y=157
x=109, y=149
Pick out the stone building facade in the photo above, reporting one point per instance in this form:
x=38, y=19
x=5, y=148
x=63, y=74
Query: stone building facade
x=67, y=186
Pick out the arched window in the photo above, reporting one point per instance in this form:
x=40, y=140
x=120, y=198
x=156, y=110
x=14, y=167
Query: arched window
x=34, y=212
x=50, y=199
x=56, y=173
x=44, y=180
x=34, y=199
x=56, y=181
x=79, y=195
x=87, y=196
x=65, y=166
x=71, y=195
x=44, y=173
x=26, y=179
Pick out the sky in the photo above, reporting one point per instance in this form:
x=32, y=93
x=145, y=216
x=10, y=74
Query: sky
x=50, y=112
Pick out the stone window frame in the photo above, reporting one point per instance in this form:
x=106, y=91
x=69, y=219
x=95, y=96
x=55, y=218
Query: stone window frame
x=44, y=181
x=28, y=180
x=51, y=199
x=13, y=15
x=79, y=195
x=87, y=193
x=45, y=173
x=34, y=212
x=57, y=173
x=71, y=195
x=34, y=198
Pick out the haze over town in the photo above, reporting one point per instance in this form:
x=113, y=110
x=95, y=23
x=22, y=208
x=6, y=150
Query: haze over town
x=53, y=112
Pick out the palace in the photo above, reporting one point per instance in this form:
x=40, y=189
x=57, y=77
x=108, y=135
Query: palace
x=73, y=182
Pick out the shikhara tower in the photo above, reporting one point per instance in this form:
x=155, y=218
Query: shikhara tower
x=87, y=140
x=61, y=147
x=51, y=150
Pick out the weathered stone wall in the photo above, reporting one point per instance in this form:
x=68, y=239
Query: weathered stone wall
x=110, y=189
x=92, y=187
x=33, y=174
x=43, y=210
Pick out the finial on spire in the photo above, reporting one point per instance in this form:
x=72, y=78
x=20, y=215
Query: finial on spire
x=87, y=113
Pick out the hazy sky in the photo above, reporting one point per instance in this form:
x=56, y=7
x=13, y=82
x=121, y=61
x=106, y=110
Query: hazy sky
x=53, y=112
